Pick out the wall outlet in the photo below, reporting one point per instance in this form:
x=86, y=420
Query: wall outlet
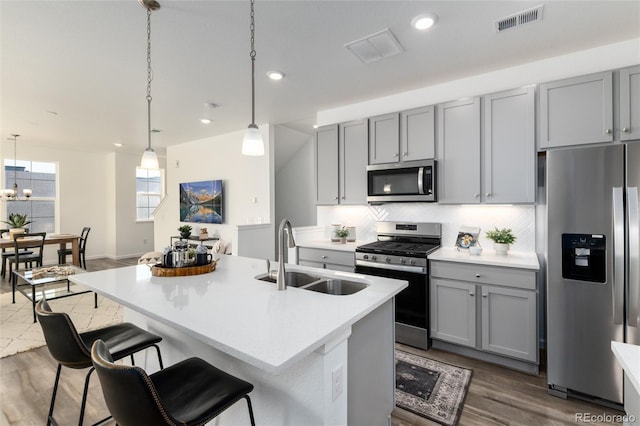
x=336, y=382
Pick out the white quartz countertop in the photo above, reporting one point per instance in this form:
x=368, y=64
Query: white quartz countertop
x=248, y=319
x=628, y=357
x=523, y=260
x=328, y=245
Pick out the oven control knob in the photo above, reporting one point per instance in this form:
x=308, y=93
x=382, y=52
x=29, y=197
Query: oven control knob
x=365, y=257
x=412, y=261
x=387, y=259
x=403, y=261
x=374, y=258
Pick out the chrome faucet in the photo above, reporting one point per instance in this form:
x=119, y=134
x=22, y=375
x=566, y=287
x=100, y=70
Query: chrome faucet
x=281, y=282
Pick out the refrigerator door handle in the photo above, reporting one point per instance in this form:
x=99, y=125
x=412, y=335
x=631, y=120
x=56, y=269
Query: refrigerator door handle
x=634, y=255
x=618, y=256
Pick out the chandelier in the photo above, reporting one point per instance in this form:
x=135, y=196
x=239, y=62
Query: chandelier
x=12, y=194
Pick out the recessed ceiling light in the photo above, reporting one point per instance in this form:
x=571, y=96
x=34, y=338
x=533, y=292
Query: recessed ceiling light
x=117, y=144
x=424, y=21
x=275, y=75
x=205, y=121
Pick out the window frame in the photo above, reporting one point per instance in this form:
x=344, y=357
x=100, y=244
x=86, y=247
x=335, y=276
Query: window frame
x=161, y=194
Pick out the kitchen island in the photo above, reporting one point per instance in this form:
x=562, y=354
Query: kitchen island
x=313, y=358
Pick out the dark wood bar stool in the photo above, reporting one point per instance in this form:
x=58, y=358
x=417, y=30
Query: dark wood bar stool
x=191, y=392
x=72, y=349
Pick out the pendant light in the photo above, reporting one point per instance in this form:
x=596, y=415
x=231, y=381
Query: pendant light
x=252, y=143
x=149, y=157
x=12, y=194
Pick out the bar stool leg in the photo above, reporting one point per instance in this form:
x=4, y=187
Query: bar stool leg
x=253, y=421
x=53, y=396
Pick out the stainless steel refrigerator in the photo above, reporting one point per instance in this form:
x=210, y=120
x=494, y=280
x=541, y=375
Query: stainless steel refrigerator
x=593, y=267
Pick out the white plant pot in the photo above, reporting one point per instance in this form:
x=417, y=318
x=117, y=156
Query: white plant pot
x=15, y=231
x=501, y=248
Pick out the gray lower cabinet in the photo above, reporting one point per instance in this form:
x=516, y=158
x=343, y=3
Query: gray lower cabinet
x=489, y=309
x=341, y=163
x=576, y=111
x=337, y=260
x=630, y=104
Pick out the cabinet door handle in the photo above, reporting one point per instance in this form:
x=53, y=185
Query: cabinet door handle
x=404, y=153
x=337, y=198
x=477, y=275
x=608, y=131
x=324, y=257
x=488, y=194
x=484, y=295
x=476, y=195
x=395, y=155
x=626, y=130
x=472, y=294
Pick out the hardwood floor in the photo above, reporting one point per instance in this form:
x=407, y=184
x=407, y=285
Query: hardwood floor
x=496, y=396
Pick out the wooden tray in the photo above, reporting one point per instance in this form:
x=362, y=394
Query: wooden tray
x=161, y=271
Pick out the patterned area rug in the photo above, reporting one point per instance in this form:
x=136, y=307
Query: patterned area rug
x=18, y=332
x=431, y=389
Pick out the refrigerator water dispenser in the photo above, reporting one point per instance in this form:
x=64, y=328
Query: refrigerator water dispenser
x=584, y=257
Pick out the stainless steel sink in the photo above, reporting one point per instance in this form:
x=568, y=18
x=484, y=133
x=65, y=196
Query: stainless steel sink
x=336, y=287
x=294, y=278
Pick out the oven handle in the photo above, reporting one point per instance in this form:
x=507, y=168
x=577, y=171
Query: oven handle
x=415, y=269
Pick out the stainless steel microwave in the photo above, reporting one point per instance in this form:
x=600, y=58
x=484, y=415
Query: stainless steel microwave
x=398, y=182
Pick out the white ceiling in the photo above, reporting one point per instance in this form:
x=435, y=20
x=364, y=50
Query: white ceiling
x=73, y=73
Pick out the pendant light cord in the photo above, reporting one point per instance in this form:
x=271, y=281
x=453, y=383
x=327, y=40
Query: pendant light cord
x=149, y=77
x=252, y=55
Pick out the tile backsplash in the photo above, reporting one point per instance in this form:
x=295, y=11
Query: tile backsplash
x=520, y=218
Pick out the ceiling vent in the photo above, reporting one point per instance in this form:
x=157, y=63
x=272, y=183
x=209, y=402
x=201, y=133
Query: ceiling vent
x=525, y=17
x=374, y=47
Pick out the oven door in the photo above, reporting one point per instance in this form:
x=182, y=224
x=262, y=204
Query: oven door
x=412, y=305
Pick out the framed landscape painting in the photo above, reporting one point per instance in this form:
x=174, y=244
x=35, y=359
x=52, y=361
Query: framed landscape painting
x=201, y=202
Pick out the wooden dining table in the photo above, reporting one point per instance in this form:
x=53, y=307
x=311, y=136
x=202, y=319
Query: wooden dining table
x=60, y=239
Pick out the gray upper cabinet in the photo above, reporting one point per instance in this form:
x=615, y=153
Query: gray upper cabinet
x=576, y=111
x=509, y=153
x=459, y=151
x=417, y=134
x=405, y=136
x=327, y=165
x=341, y=163
x=630, y=103
x=384, y=139
x=353, y=143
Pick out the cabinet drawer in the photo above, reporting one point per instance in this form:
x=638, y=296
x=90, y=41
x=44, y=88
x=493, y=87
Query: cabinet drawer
x=496, y=275
x=326, y=256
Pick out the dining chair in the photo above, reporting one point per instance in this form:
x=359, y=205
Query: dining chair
x=73, y=350
x=190, y=392
x=33, y=243
x=6, y=254
x=63, y=253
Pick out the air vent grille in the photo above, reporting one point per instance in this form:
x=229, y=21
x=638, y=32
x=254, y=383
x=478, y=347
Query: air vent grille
x=374, y=47
x=525, y=17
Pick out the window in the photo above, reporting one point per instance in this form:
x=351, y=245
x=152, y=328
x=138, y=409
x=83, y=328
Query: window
x=149, y=192
x=41, y=179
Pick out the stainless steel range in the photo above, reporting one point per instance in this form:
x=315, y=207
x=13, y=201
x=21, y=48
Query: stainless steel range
x=401, y=252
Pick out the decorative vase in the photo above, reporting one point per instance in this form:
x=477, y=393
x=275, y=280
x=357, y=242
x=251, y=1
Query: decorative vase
x=15, y=231
x=343, y=240
x=335, y=227
x=501, y=248
x=185, y=235
x=352, y=234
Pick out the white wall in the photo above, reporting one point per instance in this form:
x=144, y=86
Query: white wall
x=294, y=182
x=248, y=199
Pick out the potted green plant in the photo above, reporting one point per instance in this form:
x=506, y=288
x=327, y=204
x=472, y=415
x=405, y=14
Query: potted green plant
x=342, y=233
x=185, y=231
x=16, y=222
x=501, y=238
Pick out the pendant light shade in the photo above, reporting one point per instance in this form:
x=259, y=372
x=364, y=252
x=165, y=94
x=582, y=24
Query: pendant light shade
x=149, y=157
x=252, y=143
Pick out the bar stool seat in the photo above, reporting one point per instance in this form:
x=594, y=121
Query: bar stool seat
x=73, y=350
x=190, y=392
